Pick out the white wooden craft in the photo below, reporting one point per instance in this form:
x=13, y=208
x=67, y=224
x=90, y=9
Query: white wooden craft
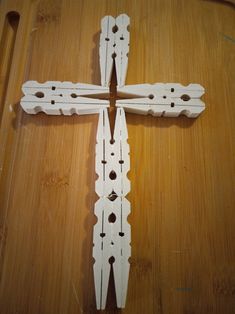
x=56, y=98
x=168, y=100
x=112, y=234
x=112, y=231
x=114, y=47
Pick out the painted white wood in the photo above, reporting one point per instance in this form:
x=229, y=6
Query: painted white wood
x=56, y=98
x=113, y=155
x=112, y=238
x=114, y=45
x=122, y=40
x=168, y=100
x=66, y=88
x=106, y=49
x=174, y=89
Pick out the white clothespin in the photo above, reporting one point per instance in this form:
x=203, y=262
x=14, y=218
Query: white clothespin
x=111, y=236
x=56, y=98
x=114, y=45
x=168, y=100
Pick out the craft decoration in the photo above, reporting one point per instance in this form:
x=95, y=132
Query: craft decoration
x=112, y=234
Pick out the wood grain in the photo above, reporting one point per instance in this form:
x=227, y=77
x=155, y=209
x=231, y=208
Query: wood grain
x=182, y=170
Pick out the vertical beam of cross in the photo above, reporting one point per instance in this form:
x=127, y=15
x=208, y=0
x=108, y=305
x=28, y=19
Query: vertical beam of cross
x=112, y=232
x=111, y=236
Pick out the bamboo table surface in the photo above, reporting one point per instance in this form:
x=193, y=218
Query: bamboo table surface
x=182, y=170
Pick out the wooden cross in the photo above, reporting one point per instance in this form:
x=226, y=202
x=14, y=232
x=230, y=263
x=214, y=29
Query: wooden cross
x=112, y=233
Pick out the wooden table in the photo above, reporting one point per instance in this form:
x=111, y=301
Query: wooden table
x=182, y=170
